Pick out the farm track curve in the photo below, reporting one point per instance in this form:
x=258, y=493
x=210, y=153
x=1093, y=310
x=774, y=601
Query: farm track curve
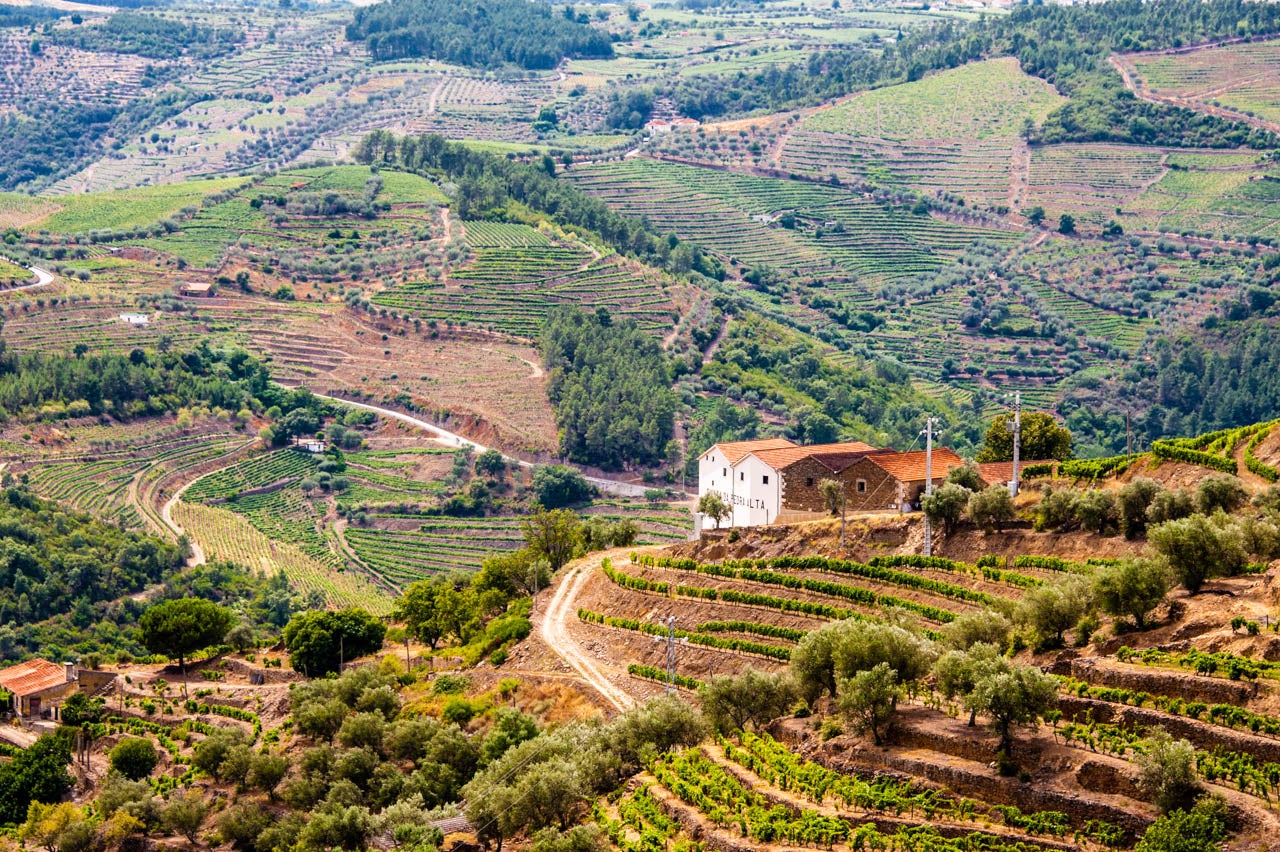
x=554, y=632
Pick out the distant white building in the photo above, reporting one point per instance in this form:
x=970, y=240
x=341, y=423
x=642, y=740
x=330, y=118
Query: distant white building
x=135, y=319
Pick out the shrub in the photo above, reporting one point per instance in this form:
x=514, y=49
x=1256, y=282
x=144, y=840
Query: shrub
x=1220, y=492
x=992, y=508
x=134, y=758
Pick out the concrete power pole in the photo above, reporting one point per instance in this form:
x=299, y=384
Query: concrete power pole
x=1016, y=429
x=929, y=424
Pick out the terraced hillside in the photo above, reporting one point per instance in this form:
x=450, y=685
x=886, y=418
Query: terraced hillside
x=955, y=132
x=1210, y=685
x=806, y=229
x=518, y=273
x=1241, y=78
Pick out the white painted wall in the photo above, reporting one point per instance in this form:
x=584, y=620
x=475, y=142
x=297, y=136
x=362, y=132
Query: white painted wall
x=752, y=489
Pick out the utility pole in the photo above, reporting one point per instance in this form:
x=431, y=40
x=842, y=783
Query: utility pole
x=1016, y=428
x=929, y=424
x=1128, y=434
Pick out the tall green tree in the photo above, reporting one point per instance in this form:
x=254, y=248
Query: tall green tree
x=554, y=535
x=177, y=628
x=1042, y=438
x=320, y=642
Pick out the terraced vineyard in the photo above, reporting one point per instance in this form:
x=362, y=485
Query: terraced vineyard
x=1227, y=194
x=112, y=482
x=518, y=274
x=1244, y=78
x=226, y=535
x=837, y=236
x=402, y=547
x=1090, y=181
x=954, y=132
x=731, y=613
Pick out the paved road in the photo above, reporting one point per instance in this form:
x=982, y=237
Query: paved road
x=608, y=486
x=553, y=630
x=43, y=277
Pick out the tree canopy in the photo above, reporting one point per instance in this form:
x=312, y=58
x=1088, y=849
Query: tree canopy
x=610, y=385
x=1042, y=438
x=478, y=33
x=320, y=642
x=177, y=628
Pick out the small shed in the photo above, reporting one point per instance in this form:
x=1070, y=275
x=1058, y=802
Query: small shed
x=311, y=446
x=139, y=320
x=196, y=288
x=37, y=685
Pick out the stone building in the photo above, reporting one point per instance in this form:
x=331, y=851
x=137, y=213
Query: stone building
x=775, y=480
x=38, y=686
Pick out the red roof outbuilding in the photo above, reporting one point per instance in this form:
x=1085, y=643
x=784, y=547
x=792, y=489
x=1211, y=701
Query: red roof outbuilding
x=32, y=677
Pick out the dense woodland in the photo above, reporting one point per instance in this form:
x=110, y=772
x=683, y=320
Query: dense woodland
x=1066, y=45
x=1221, y=377
x=141, y=383
x=54, y=562
x=480, y=34
x=151, y=36
x=610, y=384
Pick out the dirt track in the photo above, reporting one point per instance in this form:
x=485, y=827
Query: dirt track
x=553, y=629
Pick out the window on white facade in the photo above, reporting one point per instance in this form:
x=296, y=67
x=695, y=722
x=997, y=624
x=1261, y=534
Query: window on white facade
x=766, y=480
x=724, y=471
x=862, y=486
x=742, y=476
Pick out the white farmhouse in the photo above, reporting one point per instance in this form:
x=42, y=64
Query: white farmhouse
x=745, y=486
x=750, y=476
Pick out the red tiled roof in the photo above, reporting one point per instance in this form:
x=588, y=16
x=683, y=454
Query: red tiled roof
x=909, y=467
x=32, y=676
x=787, y=456
x=735, y=451
x=1001, y=472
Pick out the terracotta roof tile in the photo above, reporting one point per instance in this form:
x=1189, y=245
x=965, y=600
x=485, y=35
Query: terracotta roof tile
x=735, y=451
x=787, y=456
x=32, y=676
x=909, y=467
x=1002, y=472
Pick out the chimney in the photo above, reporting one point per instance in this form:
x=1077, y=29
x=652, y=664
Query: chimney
x=71, y=671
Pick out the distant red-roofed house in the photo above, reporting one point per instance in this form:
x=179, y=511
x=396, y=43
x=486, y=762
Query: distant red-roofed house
x=37, y=685
x=999, y=473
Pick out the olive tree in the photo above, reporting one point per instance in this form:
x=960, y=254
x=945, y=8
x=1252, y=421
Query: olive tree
x=1132, y=587
x=1196, y=549
x=870, y=698
x=752, y=698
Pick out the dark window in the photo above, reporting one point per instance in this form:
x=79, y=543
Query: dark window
x=742, y=476
x=862, y=486
x=766, y=480
x=808, y=480
x=724, y=471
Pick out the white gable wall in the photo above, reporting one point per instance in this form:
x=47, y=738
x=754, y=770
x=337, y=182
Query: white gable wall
x=751, y=488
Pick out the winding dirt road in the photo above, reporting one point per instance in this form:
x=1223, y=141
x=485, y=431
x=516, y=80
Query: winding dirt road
x=166, y=515
x=553, y=629
x=608, y=486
